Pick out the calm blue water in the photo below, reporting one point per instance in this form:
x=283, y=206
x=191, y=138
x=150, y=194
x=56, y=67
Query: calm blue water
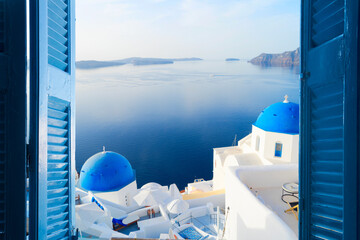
x=166, y=119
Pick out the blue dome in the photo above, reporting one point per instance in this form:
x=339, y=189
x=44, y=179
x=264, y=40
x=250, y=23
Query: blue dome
x=281, y=117
x=106, y=171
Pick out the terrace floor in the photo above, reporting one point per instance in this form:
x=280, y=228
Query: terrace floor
x=271, y=197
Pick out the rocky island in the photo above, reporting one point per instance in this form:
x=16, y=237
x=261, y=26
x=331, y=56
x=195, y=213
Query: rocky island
x=90, y=64
x=285, y=59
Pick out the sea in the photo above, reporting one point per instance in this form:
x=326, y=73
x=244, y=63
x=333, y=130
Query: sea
x=167, y=119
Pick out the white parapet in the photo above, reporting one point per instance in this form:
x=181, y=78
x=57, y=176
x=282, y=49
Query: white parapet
x=252, y=215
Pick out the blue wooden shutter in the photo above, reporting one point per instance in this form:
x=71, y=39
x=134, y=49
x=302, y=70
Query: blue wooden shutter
x=2, y=26
x=328, y=142
x=12, y=119
x=53, y=84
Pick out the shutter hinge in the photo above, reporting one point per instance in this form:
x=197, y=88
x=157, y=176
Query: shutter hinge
x=304, y=76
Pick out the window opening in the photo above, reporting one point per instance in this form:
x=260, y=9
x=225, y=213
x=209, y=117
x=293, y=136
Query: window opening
x=278, y=149
x=257, y=146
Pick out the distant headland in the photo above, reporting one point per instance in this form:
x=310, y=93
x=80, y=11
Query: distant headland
x=137, y=61
x=285, y=59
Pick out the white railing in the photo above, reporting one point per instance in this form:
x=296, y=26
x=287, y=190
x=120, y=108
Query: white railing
x=218, y=223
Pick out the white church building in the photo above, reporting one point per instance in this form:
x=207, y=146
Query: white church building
x=274, y=140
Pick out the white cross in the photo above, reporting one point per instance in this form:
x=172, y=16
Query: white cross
x=103, y=148
x=286, y=99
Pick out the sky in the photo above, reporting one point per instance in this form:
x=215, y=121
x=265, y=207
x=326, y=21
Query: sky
x=209, y=29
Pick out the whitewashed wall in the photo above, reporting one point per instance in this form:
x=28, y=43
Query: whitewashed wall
x=122, y=197
x=218, y=172
x=248, y=218
x=290, y=148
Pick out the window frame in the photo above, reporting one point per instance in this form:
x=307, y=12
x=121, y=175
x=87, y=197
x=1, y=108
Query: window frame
x=278, y=151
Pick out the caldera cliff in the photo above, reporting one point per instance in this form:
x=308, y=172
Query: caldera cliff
x=285, y=59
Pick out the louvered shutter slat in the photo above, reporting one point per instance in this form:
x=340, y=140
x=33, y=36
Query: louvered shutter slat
x=57, y=226
x=56, y=131
x=327, y=210
x=57, y=122
x=54, y=184
x=62, y=31
x=59, y=234
x=326, y=234
x=325, y=222
x=326, y=165
x=56, y=140
x=59, y=10
x=326, y=133
x=58, y=218
x=56, y=201
x=59, y=3
x=57, y=175
x=57, y=63
x=57, y=149
x=55, y=211
x=57, y=157
x=56, y=18
x=56, y=192
x=57, y=54
x=57, y=114
x=58, y=37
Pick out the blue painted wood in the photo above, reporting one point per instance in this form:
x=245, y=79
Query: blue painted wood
x=58, y=169
x=351, y=122
x=53, y=94
x=12, y=119
x=329, y=120
x=2, y=25
x=2, y=164
x=327, y=20
x=58, y=18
